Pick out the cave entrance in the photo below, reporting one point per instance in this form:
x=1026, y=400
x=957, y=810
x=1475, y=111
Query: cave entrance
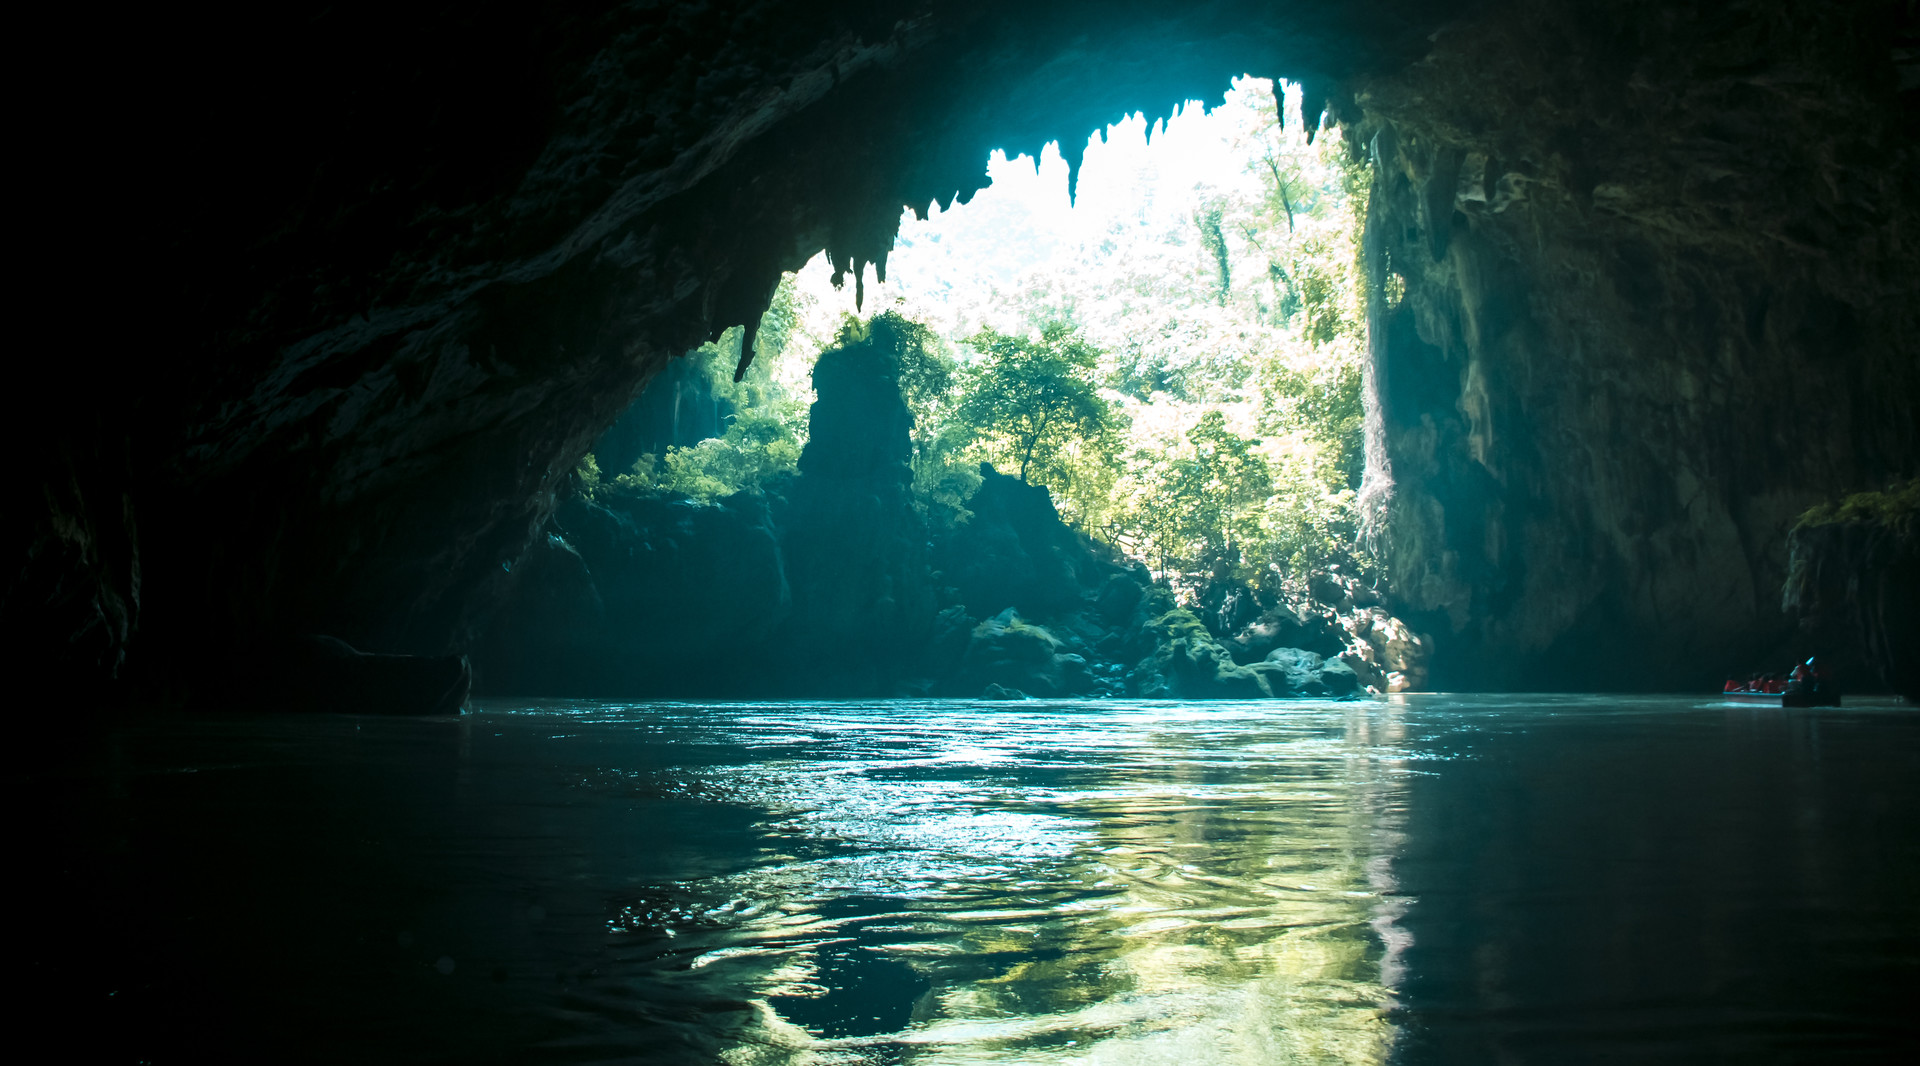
x=1149, y=372
x=1205, y=267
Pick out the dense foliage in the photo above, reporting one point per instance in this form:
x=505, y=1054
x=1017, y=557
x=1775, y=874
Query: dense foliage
x=1035, y=402
x=1231, y=343
x=1187, y=383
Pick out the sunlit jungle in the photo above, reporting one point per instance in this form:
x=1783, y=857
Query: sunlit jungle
x=907, y=532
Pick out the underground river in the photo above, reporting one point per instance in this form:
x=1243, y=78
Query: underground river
x=1418, y=879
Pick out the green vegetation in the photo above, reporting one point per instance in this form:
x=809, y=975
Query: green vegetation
x=1034, y=402
x=1237, y=368
x=759, y=446
x=764, y=435
x=1188, y=390
x=1896, y=509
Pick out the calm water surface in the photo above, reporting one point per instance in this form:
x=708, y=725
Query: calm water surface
x=1422, y=879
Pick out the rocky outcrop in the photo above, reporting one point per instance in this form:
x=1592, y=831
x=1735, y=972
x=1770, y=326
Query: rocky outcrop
x=823, y=586
x=1297, y=672
x=1337, y=619
x=1643, y=271
x=1853, y=580
x=655, y=595
x=1105, y=631
x=1014, y=551
x=1175, y=657
x=1384, y=652
x=820, y=585
x=1007, y=653
x=856, y=547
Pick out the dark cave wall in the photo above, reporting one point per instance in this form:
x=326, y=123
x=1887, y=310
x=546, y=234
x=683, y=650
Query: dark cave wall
x=1658, y=265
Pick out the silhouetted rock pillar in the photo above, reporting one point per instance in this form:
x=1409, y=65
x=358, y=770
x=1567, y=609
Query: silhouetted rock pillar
x=856, y=547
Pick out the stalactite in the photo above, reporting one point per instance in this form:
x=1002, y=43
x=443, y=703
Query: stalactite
x=1073, y=175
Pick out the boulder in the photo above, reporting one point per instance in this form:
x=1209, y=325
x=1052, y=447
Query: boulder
x=1339, y=678
x=1184, y=662
x=1001, y=692
x=1300, y=672
x=1007, y=650
x=1384, y=651
x=1286, y=626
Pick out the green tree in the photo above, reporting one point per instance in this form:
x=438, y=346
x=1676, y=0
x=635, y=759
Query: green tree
x=1034, y=398
x=757, y=447
x=1229, y=483
x=1200, y=504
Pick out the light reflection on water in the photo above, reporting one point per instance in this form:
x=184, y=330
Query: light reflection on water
x=1088, y=883
x=1424, y=880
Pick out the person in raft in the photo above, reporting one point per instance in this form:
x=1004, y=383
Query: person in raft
x=1809, y=676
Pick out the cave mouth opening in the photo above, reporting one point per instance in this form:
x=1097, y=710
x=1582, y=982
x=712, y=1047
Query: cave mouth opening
x=1158, y=352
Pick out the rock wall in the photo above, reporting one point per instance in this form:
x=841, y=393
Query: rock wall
x=1854, y=581
x=1648, y=301
x=646, y=595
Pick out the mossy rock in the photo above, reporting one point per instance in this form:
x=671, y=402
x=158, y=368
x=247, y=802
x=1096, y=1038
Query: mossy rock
x=1896, y=510
x=1187, y=663
x=1008, y=651
x=1295, y=672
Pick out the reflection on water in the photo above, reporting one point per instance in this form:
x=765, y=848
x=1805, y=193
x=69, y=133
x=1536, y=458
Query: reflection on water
x=1417, y=880
x=1194, y=885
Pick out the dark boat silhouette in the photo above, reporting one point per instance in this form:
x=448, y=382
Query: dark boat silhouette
x=1807, y=686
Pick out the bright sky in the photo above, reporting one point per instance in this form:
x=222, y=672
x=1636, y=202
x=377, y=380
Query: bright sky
x=955, y=270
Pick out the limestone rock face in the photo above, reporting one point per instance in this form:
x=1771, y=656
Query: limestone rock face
x=1641, y=313
x=1016, y=552
x=856, y=547
x=642, y=595
x=1854, y=582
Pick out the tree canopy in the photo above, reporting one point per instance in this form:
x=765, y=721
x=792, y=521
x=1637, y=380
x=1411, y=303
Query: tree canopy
x=1177, y=358
x=1034, y=398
